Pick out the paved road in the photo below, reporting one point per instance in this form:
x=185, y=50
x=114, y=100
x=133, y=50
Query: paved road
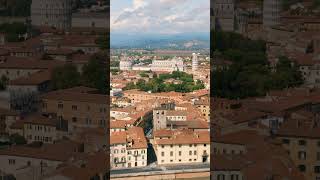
x=159, y=169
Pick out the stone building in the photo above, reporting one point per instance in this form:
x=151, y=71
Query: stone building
x=52, y=13
x=224, y=14
x=271, y=12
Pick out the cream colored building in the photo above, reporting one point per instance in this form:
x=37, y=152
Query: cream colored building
x=301, y=139
x=128, y=148
x=77, y=107
x=181, y=146
x=52, y=13
x=38, y=128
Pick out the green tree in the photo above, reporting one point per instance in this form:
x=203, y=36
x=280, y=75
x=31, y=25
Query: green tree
x=103, y=42
x=17, y=139
x=3, y=82
x=66, y=76
x=94, y=74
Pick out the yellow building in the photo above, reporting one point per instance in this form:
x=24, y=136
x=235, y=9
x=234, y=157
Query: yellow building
x=181, y=146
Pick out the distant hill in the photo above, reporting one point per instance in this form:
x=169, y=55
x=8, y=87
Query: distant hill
x=161, y=41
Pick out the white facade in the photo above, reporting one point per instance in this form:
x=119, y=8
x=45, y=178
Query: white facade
x=271, y=12
x=182, y=153
x=39, y=133
x=175, y=64
x=137, y=157
x=52, y=13
x=118, y=155
x=125, y=65
x=195, y=62
x=224, y=13
x=26, y=167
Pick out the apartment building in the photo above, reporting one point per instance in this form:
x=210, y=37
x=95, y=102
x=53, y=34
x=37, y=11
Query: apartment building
x=136, y=147
x=301, y=139
x=203, y=105
x=117, y=125
x=128, y=148
x=181, y=146
x=14, y=67
x=77, y=107
x=240, y=155
x=40, y=128
x=27, y=162
x=118, y=149
x=56, y=14
x=138, y=96
x=89, y=166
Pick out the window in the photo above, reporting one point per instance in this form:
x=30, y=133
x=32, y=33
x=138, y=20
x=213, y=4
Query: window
x=88, y=121
x=285, y=141
x=190, y=153
x=74, y=107
x=220, y=177
x=74, y=119
x=302, y=155
x=162, y=146
x=317, y=169
x=162, y=154
x=234, y=177
x=12, y=161
x=60, y=106
x=194, y=152
x=171, y=153
x=179, y=153
x=318, y=156
x=302, y=168
x=205, y=145
x=302, y=142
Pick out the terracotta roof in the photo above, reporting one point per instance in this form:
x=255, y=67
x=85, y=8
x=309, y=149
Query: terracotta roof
x=186, y=137
x=39, y=119
x=33, y=79
x=118, y=137
x=300, y=127
x=61, y=151
x=163, y=133
x=117, y=124
x=71, y=95
x=28, y=63
x=137, y=137
x=85, y=167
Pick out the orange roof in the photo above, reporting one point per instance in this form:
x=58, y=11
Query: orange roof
x=117, y=124
x=34, y=79
x=186, y=137
x=118, y=137
x=137, y=137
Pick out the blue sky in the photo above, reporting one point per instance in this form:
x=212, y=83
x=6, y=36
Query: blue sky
x=160, y=16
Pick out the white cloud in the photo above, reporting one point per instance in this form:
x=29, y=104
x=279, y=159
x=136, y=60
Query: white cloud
x=162, y=16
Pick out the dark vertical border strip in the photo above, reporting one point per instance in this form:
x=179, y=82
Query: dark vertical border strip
x=108, y=90
x=211, y=85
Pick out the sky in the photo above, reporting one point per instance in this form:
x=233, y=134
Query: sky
x=160, y=16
